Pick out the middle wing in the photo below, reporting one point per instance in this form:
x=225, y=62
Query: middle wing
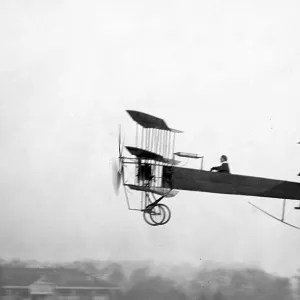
x=145, y=154
x=156, y=190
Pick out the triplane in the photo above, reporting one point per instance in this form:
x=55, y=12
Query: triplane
x=157, y=173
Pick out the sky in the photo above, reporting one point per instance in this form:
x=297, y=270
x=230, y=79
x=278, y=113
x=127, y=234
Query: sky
x=226, y=73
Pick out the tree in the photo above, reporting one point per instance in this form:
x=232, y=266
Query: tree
x=139, y=275
x=218, y=296
x=117, y=276
x=157, y=288
x=297, y=278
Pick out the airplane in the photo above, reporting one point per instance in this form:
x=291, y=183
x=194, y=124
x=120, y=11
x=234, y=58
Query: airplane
x=158, y=175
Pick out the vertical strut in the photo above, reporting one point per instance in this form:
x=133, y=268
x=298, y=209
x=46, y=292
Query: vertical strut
x=137, y=135
x=173, y=144
x=157, y=141
x=283, y=210
x=151, y=140
x=169, y=144
x=148, y=139
x=160, y=142
x=142, y=201
x=165, y=144
x=142, y=139
x=154, y=140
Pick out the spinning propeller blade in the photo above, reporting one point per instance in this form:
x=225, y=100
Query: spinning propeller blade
x=118, y=168
x=119, y=142
x=121, y=145
x=116, y=177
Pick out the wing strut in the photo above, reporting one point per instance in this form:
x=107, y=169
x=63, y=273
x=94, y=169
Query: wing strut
x=282, y=217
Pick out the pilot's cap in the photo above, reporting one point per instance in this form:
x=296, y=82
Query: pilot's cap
x=224, y=158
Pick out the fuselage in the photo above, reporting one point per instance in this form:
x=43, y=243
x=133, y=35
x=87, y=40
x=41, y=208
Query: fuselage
x=222, y=183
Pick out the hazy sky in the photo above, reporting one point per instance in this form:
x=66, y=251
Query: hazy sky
x=224, y=72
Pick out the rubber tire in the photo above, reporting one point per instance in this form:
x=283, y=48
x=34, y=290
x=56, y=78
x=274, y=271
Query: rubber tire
x=148, y=219
x=167, y=214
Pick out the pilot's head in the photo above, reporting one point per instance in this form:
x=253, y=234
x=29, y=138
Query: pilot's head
x=223, y=158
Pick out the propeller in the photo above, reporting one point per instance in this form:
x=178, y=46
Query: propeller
x=117, y=177
x=118, y=168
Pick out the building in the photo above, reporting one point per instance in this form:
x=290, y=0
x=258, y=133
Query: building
x=23, y=283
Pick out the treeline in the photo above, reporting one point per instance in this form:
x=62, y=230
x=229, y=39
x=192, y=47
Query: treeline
x=182, y=282
x=217, y=284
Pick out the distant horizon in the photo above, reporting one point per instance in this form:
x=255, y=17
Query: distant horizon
x=206, y=265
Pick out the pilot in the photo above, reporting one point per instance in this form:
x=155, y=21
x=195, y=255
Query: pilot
x=224, y=167
x=144, y=172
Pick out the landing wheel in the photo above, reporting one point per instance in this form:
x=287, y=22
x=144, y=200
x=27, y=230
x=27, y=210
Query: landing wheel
x=154, y=216
x=167, y=213
x=159, y=214
x=148, y=220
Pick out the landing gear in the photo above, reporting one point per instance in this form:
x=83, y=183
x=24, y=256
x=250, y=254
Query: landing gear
x=155, y=213
x=158, y=214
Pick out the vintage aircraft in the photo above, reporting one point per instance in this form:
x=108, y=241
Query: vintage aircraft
x=158, y=175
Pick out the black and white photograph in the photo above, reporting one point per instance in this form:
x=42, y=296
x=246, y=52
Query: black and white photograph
x=149, y=150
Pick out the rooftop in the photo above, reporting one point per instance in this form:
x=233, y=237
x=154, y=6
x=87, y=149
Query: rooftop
x=60, y=277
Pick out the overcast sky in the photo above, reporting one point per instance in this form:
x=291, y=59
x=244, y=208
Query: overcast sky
x=224, y=72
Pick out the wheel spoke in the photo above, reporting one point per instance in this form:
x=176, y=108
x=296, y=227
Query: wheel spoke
x=147, y=218
x=157, y=214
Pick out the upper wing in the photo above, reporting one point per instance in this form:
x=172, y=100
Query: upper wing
x=148, y=121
